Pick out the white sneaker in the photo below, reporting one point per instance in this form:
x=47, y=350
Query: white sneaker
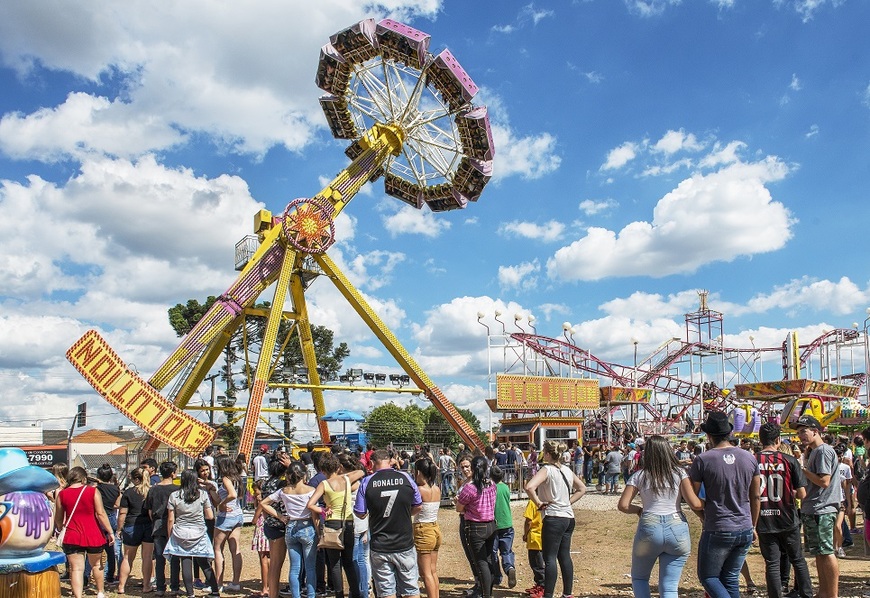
x=232, y=587
x=841, y=553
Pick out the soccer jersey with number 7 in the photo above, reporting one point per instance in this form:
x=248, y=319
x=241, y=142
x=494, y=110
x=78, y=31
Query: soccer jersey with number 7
x=388, y=497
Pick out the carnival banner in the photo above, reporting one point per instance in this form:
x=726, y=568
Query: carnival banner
x=618, y=395
x=545, y=393
x=135, y=398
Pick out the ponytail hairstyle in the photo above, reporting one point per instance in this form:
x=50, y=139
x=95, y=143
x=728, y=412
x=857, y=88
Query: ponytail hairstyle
x=426, y=468
x=295, y=473
x=140, y=481
x=554, y=449
x=480, y=473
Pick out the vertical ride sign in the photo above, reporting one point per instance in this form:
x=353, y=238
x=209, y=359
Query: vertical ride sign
x=135, y=398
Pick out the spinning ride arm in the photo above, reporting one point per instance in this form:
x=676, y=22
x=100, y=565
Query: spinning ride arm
x=411, y=120
x=392, y=344
x=276, y=255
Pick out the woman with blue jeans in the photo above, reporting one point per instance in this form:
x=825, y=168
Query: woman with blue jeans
x=553, y=490
x=300, y=534
x=662, y=531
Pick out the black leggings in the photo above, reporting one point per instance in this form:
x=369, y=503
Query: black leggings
x=184, y=565
x=556, y=540
x=209, y=529
x=338, y=559
x=480, y=537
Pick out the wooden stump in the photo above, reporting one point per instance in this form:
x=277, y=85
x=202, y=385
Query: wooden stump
x=31, y=585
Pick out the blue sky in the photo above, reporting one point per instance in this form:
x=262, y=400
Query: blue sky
x=644, y=150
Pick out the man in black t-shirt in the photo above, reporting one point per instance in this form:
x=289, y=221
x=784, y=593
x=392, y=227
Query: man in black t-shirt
x=155, y=504
x=389, y=498
x=111, y=495
x=778, y=527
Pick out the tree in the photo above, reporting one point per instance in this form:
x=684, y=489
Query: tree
x=390, y=423
x=247, y=343
x=438, y=431
x=231, y=434
x=183, y=317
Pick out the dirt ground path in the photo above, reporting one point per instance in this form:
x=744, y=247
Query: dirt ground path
x=601, y=551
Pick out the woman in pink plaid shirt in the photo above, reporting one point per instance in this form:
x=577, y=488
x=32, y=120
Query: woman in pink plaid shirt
x=476, y=501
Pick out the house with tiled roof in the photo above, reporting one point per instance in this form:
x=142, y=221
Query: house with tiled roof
x=95, y=442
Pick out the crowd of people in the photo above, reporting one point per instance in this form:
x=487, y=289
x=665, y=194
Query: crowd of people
x=356, y=523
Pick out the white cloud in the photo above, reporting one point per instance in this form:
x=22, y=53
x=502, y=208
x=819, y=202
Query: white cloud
x=527, y=14
x=814, y=130
x=411, y=221
x=649, y=306
x=594, y=76
x=841, y=297
x=547, y=232
x=84, y=125
x=675, y=141
x=590, y=207
x=620, y=156
x=519, y=276
x=180, y=67
x=649, y=8
x=382, y=262
x=708, y=217
x=808, y=8
x=723, y=155
x=865, y=96
x=120, y=227
x=553, y=309
x=536, y=15
x=529, y=156
x=453, y=329
x=795, y=84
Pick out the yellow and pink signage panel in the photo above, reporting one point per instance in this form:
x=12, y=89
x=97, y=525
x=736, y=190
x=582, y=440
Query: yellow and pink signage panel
x=616, y=395
x=545, y=392
x=135, y=398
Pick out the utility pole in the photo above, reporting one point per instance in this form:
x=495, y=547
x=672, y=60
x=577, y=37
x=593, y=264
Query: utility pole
x=211, y=379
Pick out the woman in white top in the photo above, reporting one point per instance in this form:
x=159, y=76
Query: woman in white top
x=300, y=535
x=427, y=534
x=662, y=531
x=553, y=490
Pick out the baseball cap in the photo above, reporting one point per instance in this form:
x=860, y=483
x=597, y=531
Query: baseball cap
x=808, y=421
x=264, y=448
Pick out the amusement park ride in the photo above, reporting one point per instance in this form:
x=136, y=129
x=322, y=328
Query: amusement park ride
x=685, y=377
x=410, y=120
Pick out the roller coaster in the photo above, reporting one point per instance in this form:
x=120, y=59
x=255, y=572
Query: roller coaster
x=692, y=375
